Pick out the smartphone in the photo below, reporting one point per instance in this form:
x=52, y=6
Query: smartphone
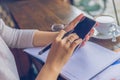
x=84, y=26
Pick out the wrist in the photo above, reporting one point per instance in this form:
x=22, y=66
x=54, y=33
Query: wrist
x=52, y=68
x=48, y=73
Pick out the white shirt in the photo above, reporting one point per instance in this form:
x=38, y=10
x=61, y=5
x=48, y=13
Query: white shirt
x=14, y=38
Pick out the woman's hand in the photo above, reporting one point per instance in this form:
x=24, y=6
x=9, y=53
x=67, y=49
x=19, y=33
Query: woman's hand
x=60, y=52
x=72, y=24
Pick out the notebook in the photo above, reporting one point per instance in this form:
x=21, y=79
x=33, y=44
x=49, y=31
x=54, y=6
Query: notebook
x=86, y=62
x=111, y=73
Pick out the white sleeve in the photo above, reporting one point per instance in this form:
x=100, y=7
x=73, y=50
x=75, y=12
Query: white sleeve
x=16, y=38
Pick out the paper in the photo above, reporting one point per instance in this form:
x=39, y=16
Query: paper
x=85, y=62
x=111, y=73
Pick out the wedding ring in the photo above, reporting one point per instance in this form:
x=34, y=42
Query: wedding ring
x=70, y=41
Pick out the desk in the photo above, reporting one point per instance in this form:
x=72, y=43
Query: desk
x=41, y=14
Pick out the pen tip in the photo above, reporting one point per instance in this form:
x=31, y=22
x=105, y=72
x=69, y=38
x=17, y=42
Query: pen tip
x=40, y=53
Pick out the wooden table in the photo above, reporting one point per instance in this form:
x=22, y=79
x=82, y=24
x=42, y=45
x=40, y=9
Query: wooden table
x=41, y=14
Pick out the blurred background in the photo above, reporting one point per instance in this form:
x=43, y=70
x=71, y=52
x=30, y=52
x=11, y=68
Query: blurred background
x=91, y=7
x=99, y=7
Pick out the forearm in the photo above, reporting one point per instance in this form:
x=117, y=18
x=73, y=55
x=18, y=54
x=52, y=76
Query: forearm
x=16, y=38
x=48, y=73
x=42, y=38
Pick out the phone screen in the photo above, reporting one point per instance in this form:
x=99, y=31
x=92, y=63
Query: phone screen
x=84, y=26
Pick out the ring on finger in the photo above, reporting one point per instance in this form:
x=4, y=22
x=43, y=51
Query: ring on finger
x=70, y=41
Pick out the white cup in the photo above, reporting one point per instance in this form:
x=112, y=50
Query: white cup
x=105, y=24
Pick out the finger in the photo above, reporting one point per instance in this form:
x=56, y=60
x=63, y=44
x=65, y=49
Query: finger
x=97, y=24
x=78, y=18
x=75, y=44
x=87, y=38
x=67, y=42
x=83, y=43
x=61, y=34
x=91, y=32
x=71, y=38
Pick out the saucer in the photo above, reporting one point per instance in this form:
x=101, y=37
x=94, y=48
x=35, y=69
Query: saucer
x=98, y=35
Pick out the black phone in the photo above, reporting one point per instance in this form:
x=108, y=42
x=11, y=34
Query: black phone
x=83, y=27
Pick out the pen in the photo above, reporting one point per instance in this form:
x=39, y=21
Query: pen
x=48, y=47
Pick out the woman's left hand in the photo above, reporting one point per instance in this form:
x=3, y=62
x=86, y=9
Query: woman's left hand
x=72, y=25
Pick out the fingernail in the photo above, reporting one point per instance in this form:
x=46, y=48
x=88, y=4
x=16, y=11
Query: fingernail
x=74, y=33
x=87, y=38
x=83, y=43
x=92, y=30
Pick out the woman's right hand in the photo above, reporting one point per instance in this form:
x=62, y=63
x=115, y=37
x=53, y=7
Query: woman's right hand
x=60, y=52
